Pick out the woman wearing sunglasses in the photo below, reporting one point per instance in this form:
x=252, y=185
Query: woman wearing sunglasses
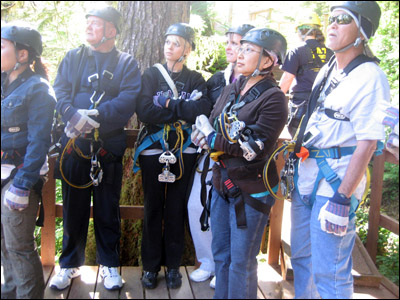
x=322, y=211
x=202, y=237
x=240, y=204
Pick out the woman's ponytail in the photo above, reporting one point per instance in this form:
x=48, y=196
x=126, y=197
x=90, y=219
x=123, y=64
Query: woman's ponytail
x=40, y=68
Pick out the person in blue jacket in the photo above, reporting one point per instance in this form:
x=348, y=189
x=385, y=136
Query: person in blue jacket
x=96, y=88
x=27, y=108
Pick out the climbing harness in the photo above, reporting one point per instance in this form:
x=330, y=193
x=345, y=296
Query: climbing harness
x=302, y=144
x=99, y=87
x=168, y=156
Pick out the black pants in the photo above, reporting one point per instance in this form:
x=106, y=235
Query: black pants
x=76, y=211
x=164, y=213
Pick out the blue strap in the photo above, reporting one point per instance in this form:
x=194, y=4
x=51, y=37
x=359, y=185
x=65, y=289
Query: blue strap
x=151, y=139
x=333, y=179
x=335, y=152
x=147, y=142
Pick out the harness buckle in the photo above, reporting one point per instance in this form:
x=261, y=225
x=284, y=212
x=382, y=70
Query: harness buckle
x=233, y=190
x=338, y=153
x=107, y=74
x=93, y=77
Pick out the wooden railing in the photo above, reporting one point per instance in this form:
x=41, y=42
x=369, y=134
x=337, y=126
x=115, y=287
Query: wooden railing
x=377, y=219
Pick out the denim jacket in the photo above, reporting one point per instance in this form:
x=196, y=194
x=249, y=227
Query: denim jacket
x=27, y=109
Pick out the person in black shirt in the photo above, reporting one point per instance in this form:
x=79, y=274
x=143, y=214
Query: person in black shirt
x=166, y=158
x=303, y=64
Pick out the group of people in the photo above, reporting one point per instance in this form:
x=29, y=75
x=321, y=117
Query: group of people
x=202, y=150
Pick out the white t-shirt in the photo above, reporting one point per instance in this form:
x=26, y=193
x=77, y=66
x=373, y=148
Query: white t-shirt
x=358, y=96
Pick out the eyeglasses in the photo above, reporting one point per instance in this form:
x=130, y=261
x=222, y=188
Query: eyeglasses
x=342, y=19
x=247, y=51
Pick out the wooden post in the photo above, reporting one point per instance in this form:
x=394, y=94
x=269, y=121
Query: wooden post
x=375, y=205
x=48, y=240
x=275, y=224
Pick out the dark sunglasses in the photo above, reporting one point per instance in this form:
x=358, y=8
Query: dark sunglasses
x=342, y=19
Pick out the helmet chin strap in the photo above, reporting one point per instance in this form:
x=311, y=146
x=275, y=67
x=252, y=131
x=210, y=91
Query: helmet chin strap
x=103, y=39
x=256, y=72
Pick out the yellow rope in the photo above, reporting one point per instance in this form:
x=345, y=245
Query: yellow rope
x=72, y=142
x=286, y=147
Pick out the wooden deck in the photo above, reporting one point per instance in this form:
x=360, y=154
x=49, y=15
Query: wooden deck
x=270, y=286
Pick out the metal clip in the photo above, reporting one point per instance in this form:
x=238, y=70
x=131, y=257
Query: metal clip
x=94, y=161
x=236, y=128
x=166, y=175
x=167, y=157
x=96, y=179
x=98, y=100
x=287, y=179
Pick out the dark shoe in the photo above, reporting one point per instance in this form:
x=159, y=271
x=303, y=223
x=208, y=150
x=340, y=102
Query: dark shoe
x=149, y=280
x=173, y=278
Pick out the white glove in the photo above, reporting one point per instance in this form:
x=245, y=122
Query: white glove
x=334, y=218
x=16, y=198
x=198, y=138
x=81, y=123
x=195, y=95
x=88, y=112
x=204, y=125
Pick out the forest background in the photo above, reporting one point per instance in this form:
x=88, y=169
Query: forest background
x=62, y=24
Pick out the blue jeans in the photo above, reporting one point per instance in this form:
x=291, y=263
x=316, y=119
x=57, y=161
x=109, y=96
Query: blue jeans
x=235, y=249
x=321, y=261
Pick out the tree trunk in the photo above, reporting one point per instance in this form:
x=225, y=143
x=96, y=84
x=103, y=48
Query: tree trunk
x=144, y=26
x=142, y=35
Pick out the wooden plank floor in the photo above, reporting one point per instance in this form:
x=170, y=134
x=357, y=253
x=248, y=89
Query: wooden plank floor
x=270, y=286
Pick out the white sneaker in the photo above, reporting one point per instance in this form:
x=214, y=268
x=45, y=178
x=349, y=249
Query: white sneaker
x=63, y=279
x=199, y=275
x=111, y=277
x=212, y=282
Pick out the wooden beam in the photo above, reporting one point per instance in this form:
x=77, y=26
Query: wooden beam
x=133, y=212
x=389, y=223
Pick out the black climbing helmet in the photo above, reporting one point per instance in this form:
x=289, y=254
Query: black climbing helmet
x=241, y=29
x=182, y=30
x=23, y=35
x=369, y=11
x=108, y=13
x=268, y=39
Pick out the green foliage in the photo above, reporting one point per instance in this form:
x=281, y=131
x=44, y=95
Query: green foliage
x=61, y=24
x=390, y=191
x=385, y=44
x=209, y=56
x=205, y=11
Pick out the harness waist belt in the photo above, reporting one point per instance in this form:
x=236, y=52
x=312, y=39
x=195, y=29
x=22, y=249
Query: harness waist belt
x=335, y=152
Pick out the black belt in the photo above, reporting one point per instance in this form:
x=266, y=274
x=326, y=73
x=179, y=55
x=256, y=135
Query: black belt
x=233, y=191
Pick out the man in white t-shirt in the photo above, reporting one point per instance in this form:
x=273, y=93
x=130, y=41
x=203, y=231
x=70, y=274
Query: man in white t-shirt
x=343, y=135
